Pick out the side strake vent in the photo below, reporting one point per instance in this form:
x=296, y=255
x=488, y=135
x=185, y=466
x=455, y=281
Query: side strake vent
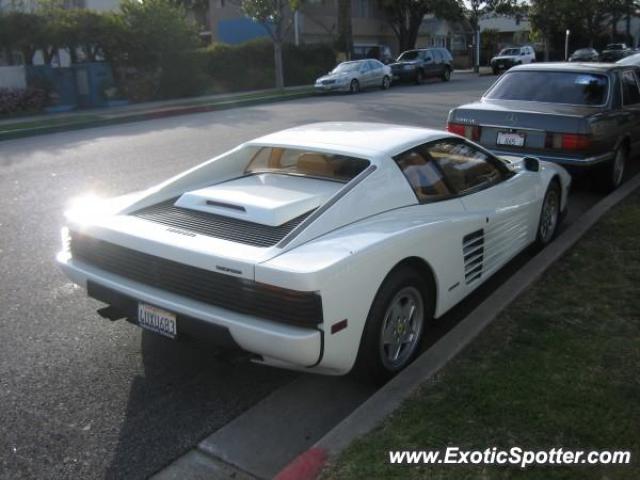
x=218, y=226
x=473, y=252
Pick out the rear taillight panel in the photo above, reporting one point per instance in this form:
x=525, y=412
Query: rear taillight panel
x=568, y=141
x=472, y=132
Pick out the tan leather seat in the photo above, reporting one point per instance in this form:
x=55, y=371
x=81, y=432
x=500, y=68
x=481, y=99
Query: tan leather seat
x=423, y=176
x=315, y=164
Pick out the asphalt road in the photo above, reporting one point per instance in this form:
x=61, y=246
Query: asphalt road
x=81, y=397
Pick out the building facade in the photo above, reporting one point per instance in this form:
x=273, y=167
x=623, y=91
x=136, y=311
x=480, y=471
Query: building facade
x=316, y=23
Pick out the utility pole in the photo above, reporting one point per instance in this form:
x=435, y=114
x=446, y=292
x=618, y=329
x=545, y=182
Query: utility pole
x=296, y=27
x=475, y=23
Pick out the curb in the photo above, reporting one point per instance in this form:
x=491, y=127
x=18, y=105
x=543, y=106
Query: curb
x=150, y=115
x=307, y=465
x=385, y=401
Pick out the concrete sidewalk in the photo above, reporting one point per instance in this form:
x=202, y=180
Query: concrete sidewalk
x=16, y=127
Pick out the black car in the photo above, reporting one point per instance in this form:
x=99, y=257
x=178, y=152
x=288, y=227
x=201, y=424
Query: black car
x=584, y=116
x=417, y=65
x=585, y=55
x=614, y=52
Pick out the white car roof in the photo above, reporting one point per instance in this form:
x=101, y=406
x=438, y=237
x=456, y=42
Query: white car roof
x=364, y=138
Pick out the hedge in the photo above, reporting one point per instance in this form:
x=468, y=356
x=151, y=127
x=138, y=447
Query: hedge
x=14, y=100
x=250, y=65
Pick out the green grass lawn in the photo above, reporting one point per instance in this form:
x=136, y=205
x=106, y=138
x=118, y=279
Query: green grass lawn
x=559, y=368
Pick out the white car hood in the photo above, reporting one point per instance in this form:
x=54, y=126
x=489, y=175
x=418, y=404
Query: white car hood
x=505, y=57
x=266, y=199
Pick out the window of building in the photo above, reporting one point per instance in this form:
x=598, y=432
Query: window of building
x=361, y=8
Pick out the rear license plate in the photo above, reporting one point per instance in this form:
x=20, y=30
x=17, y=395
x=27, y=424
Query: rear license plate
x=157, y=320
x=511, y=139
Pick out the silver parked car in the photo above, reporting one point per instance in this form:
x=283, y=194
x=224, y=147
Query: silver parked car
x=354, y=76
x=630, y=60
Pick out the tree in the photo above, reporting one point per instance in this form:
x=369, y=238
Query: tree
x=159, y=44
x=481, y=7
x=23, y=31
x=345, y=29
x=405, y=16
x=277, y=18
x=546, y=19
x=199, y=8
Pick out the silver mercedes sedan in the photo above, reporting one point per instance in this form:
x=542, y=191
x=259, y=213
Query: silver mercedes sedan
x=354, y=76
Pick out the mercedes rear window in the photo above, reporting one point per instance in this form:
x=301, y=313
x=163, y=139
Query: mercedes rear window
x=290, y=161
x=575, y=88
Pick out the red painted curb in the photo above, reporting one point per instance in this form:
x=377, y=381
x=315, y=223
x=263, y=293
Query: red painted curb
x=306, y=466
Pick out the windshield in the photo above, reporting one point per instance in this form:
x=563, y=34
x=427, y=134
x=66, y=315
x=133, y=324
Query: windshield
x=630, y=60
x=290, y=161
x=347, y=67
x=510, y=51
x=552, y=87
x=583, y=51
x=615, y=46
x=410, y=55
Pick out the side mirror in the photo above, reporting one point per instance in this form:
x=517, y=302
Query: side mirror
x=531, y=164
x=428, y=59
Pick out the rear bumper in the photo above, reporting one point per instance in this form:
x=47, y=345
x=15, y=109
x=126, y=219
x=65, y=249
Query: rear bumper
x=404, y=75
x=571, y=162
x=333, y=87
x=289, y=346
x=502, y=64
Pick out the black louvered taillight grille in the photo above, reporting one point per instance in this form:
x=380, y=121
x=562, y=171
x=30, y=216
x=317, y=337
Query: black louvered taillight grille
x=226, y=291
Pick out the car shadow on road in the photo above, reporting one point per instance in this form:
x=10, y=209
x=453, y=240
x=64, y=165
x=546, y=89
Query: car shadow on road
x=187, y=391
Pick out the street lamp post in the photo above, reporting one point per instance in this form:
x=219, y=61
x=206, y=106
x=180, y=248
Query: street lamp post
x=566, y=45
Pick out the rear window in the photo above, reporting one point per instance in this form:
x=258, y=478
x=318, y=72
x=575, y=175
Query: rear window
x=409, y=55
x=289, y=161
x=552, y=87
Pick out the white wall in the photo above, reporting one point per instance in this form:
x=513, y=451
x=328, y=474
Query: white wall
x=13, y=77
x=102, y=5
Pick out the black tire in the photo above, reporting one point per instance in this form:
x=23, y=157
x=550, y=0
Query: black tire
x=612, y=175
x=446, y=75
x=419, y=77
x=386, y=83
x=495, y=70
x=373, y=364
x=354, y=86
x=550, y=215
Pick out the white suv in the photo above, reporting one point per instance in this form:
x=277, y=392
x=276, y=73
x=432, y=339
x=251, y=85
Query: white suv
x=509, y=57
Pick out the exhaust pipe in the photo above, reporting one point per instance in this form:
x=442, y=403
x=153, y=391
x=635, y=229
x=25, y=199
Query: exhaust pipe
x=111, y=313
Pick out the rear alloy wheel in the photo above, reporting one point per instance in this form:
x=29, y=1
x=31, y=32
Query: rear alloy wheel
x=395, y=325
x=550, y=215
x=614, y=172
x=354, y=86
x=402, y=328
x=386, y=83
x=419, y=77
x=446, y=75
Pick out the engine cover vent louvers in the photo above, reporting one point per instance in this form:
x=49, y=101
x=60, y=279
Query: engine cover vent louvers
x=240, y=295
x=473, y=253
x=218, y=226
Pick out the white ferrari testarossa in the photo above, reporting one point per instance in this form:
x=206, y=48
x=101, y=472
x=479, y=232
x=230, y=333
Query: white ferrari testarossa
x=323, y=247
